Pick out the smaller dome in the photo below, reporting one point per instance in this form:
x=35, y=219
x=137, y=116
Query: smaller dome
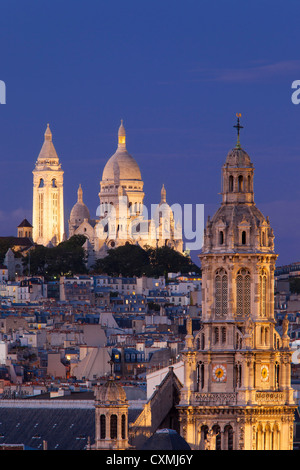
x=166, y=439
x=79, y=211
x=237, y=157
x=110, y=392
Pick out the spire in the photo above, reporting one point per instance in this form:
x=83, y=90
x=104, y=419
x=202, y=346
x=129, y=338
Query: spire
x=238, y=127
x=163, y=194
x=47, y=152
x=122, y=135
x=79, y=194
x=48, y=133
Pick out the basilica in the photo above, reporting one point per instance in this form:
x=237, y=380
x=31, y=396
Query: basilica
x=121, y=216
x=236, y=393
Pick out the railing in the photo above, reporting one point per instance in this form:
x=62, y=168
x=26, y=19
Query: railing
x=215, y=398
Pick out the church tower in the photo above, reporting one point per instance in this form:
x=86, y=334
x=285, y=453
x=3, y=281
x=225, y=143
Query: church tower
x=237, y=389
x=48, y=204
x=111, y=416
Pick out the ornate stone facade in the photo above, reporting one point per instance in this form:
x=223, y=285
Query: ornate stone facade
x=237, y=392
x=111, y=416
x=120, y=216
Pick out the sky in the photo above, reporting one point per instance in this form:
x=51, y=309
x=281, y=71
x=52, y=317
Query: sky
x=176, y=72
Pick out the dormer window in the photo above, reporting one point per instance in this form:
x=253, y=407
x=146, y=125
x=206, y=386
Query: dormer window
x=244, y=237
x=221, y=237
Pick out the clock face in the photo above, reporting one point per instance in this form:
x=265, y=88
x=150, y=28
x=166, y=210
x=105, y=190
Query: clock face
x=219, y=373
x=264, y=372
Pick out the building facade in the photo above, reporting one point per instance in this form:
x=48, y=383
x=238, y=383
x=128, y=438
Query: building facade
x=48, y=203
x=120, y=217
x=237, y=390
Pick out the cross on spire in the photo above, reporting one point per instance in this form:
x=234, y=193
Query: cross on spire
x=238, y=127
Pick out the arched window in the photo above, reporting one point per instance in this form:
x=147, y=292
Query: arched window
x=223, y=334
x=230, y=183
x=41, y=184
x=263, y=293
x=243, y=285
x=113, y=427
x=123, y=427
x=221, y=292
x=277, y=374
x=217, y=431
x=249, y=183
x=54, y=185
x=200, y=376
x=202, y=341
x=228, y=437
x=241, y=183
x=216, y=335
x=102, y=427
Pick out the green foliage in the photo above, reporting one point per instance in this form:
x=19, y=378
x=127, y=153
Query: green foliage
x=5, y=244
x=132, y=260
x=128, y=260
x=67, y=258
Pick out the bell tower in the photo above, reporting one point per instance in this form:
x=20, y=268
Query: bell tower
x=237, y=391
x=48, y=204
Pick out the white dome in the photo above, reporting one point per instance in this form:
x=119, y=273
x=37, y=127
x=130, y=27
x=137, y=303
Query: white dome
x=121, y=165
x=79, y=211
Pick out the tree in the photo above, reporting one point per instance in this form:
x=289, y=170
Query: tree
x=67, y=258
x=127, y=260
x=134, y=261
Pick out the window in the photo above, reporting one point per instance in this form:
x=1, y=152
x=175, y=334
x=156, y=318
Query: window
x=221, y=237
x=123, y=427
x=241, y=183
x=221, y=292
x=223, y=334
x=230, y=183
x=113, y=427
x=262, y=293
x=244, y=238
x=200, y=376
x=102, y=427
x=216, y=335
x=243, y=292
x=41, y=184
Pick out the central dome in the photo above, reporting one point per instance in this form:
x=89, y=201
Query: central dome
x=121, y=166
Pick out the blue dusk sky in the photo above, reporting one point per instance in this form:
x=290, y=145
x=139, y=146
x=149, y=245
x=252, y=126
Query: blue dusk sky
x=176, y=72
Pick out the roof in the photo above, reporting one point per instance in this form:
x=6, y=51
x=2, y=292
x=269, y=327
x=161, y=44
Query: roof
x=25, y=223
x=63, y=424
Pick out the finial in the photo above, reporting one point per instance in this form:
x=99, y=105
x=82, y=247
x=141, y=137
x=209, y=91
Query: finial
x=48, y=133
x=238, y=127
x=122, y=135
x=79, y=194
x=163, y=194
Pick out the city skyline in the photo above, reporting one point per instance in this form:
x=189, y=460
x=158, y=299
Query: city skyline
x=176, y=84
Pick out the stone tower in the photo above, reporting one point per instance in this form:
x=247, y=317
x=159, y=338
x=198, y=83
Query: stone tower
x=48, y=203
x=237, y=392
x=111, y=416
